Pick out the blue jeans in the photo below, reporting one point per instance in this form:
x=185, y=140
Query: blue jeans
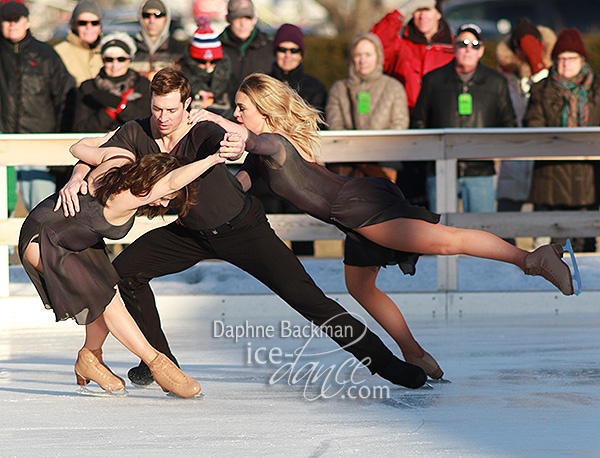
x=35, y=183
x=477, y=193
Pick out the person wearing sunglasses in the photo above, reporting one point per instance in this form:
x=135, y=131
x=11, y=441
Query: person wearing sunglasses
x=207, y=69
x=249, y=49
x=34, y=85
x=117, y=94
x=156, y=46
x=80, y=51
x=466, y=93
x=288, y=47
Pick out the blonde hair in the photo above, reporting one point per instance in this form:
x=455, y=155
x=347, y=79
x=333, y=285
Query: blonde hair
x=285, y=111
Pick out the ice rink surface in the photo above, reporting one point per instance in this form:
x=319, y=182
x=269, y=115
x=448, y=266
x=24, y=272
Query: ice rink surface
x=523, y=367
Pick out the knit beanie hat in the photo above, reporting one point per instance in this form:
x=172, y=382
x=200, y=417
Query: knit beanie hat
x=569, y=40
x=118, y=40
x=289, y=32
x=154, y=5
x=13, y=10
x=205, y=44
x=84, y=6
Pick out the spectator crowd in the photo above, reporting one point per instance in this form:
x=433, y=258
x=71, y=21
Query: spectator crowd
x=409, y=71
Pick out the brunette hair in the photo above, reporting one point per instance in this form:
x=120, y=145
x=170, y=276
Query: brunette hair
x=168, y=80
x=139, y=178
x=284, y=110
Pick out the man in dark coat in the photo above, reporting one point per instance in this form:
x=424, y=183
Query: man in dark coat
x=466, y=93
x=248, y=48
x=34, y=84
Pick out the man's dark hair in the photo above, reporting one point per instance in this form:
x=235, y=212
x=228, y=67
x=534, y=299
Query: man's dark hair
x=168, y=80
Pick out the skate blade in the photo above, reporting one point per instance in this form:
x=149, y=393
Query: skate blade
x=576, y=275
x=85, y=391
x=151, y=386
x=198, y=397
x=437, y=381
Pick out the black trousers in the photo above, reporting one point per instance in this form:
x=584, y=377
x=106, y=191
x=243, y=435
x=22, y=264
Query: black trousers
x=253, y=247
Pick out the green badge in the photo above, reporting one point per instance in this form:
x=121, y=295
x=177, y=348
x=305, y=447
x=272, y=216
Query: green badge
x=364, y=103
x=465, y=104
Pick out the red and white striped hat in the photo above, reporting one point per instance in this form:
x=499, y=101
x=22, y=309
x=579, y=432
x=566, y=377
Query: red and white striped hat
x=205, y=44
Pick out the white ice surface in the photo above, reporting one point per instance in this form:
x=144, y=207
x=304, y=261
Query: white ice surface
x=525, y=380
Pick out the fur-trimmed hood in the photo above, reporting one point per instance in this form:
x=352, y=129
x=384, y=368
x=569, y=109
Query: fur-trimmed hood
x=510, y=62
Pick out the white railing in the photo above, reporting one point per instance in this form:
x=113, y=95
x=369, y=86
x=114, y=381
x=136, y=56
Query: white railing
x=444, y=146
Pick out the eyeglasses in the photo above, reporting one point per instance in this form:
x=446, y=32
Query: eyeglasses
x=158, y=15
x=475, y=44
x=82, y=23
x=283, y=50
x=567, y=60
x=108, y=60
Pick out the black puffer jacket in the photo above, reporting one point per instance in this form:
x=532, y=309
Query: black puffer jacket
x=311, y=89
x=437, y=106
x=34, y=84
x=254, y=55
x=92, y=102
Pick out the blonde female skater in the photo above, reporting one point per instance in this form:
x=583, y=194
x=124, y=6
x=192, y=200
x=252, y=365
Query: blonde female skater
x=382, y=227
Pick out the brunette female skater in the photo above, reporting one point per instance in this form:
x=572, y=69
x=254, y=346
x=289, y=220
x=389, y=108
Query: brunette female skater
x=66, y=260
x=365, y=208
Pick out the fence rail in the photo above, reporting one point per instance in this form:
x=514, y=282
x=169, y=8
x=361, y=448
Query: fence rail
x=444, y=146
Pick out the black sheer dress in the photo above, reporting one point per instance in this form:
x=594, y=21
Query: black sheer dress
x=79, y=279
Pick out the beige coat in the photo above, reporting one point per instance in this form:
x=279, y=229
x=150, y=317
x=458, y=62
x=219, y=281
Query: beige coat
x=388, y=102
x=82, y=62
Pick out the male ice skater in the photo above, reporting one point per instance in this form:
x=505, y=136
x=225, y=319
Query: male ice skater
x=226, y=224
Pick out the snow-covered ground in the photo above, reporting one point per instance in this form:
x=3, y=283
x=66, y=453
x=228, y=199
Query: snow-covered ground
x=523, y=368
x=217, y=277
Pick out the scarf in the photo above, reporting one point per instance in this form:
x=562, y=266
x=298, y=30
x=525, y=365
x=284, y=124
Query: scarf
x=242, y=45
x=119, y=85
x=574, y=91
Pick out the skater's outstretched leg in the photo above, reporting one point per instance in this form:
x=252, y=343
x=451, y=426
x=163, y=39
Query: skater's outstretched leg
x=361, y=284
x=419, y=236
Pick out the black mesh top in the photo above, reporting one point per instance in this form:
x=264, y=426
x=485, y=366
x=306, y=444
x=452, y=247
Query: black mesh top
x=349, y=203
x=220, y=195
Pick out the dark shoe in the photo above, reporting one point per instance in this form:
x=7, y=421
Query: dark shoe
x=547, y=262
x=140, y=375
x=400, y=373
